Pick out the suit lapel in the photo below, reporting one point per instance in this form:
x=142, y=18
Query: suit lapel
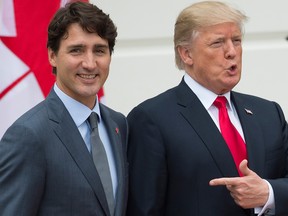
x=69, y=135
x=115, y=140
x=252, y=133
x=195, y=113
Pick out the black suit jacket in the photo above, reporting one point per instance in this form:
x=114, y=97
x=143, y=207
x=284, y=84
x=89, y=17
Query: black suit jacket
x=175, y=149
x=46, y=169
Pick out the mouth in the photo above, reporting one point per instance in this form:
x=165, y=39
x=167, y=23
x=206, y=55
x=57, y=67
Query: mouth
x=87, y=76
x=233, y=68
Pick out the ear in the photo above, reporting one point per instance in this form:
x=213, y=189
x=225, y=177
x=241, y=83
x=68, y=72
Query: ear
x=185, y=55
x=52, y=57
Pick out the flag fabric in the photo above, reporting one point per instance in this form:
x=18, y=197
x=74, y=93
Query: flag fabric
x=25, y=73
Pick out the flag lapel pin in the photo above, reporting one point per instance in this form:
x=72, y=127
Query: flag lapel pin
x=248, y=111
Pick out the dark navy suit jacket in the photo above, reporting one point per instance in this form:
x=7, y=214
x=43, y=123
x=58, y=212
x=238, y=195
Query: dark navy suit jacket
x=175, y=149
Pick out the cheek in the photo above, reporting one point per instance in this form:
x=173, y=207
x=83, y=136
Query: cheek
x=104, y=64
x=70, y=65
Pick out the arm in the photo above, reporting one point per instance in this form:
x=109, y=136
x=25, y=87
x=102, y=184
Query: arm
x=147, y=164
x=249, y=191
x=276, y=166
x=21, y=172
x=280, y=185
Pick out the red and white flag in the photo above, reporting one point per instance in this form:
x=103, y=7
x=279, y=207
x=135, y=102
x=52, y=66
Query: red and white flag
x=25, y=73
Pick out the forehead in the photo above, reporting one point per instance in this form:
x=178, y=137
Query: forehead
x=221, y=29
x=77, y=35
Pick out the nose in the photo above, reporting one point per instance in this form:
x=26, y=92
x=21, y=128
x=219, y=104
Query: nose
x=230, y=50
x=89, y=61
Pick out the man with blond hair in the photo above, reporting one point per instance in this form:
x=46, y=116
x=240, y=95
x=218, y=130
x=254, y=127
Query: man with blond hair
x=182, y=156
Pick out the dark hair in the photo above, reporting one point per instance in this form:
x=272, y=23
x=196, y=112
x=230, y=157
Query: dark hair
x=88, y=16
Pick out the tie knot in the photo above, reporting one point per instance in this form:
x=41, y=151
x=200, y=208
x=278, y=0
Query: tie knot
x=220, y=102
x=93, y=120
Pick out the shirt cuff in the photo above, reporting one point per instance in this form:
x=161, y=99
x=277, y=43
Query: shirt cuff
x=269, y=207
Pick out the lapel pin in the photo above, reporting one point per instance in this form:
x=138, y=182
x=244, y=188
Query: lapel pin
x=117, y=130
x=249, y=112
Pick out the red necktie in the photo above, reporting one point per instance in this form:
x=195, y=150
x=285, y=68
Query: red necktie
x=230, y=134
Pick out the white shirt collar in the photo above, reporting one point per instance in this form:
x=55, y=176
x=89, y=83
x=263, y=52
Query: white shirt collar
x=206, y=96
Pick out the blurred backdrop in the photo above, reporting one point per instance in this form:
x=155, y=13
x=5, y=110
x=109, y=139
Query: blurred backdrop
x=143, y=61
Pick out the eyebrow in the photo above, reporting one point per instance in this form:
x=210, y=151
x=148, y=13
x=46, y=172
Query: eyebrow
x=101, y=46
x=73, y=46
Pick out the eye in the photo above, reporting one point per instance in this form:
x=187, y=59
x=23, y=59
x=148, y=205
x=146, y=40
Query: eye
x=101, y=50
x=237, y=41
x=76, y=50
x=217, y=43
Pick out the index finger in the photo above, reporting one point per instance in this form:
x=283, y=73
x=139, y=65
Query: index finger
x=223, y=181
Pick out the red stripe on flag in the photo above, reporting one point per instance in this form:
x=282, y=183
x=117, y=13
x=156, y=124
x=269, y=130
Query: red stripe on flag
x=32, y=19
x=13, y=84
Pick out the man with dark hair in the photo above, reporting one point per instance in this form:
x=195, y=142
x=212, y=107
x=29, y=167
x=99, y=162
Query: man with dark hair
x=50, y=157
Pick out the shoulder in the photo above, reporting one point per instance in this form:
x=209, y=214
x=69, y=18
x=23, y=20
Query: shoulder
x=159, y=101
x=252, y=99
x=180, y=94
x=37, y=118
x=34, y=116
x=25, y=136
x=155, y=109
x=259, y=104
x=114, y=115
